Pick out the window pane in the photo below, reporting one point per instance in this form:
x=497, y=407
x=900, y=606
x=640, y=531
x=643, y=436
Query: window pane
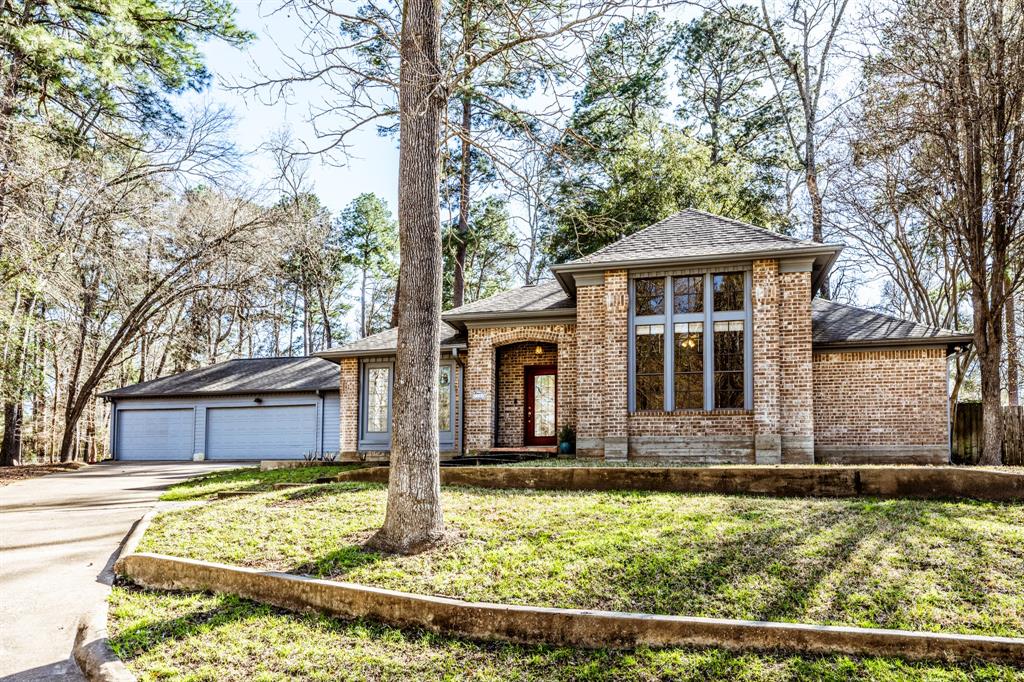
x=689, y=366
x=650, y=367
x=377, y=382
x=729, y=364
x=544, y=405
x=444, y=399
x=650, y=296
x=688, y=294
x=728, y=291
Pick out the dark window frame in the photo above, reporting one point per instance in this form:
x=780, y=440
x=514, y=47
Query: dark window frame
x=707, y=316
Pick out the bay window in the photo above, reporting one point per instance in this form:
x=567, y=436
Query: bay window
x=690, y=341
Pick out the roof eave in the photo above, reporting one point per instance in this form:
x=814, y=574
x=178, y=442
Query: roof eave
x=952, y=343
x=333, y=356
x=114, y=395
x=519, y=317
x=565, y=273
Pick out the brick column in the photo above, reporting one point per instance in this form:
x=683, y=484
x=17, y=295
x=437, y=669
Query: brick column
x=348, y=423
x=765, y=295
x=567, y=376
x=479, y=392
x=796, y=397
x=590, y=370
x=616, y=359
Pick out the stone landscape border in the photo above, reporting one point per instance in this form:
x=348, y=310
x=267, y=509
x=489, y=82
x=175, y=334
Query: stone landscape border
x=559, y=627
x=930, y=483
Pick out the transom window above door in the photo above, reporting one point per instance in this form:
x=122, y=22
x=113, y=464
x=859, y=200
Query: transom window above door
x=690, y=342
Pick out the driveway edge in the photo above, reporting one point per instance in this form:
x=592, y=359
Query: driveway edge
x=92, y=651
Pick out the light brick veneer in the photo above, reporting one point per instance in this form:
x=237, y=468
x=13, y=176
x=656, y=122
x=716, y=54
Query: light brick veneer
x=512, y=362
x=796, y=399
x=480, y=412
x=881, y=406
x=765, y=298
x=778, y=429
x=349, y=405
x=590, y=365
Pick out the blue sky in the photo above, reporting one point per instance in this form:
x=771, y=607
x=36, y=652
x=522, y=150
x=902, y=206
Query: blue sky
x=373, y=166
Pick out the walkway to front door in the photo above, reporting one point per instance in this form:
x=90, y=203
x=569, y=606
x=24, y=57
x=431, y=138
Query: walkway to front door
x=540, y=386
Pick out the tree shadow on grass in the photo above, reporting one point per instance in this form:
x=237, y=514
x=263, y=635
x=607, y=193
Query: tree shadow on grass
x=730, y=574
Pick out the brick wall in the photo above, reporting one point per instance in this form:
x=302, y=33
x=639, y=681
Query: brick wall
x=484, y=345
x=881, y=406
x=590, y=314
x=616, y=364
x=796, y=397
x=349, y=405
x=512, y=361
x=765, y=298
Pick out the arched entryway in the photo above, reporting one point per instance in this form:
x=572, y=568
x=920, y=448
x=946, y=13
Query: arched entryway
x=527, y=389
x=515, y=375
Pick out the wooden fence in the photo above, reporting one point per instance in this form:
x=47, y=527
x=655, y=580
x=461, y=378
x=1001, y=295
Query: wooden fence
x=967, y=434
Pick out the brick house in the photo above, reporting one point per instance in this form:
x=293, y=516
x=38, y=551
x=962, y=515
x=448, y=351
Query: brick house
x=697, y=339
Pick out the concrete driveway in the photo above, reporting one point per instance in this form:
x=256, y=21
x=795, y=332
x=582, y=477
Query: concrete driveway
x=58, y=538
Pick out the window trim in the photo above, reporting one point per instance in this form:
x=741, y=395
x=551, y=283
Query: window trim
x=708, y=317
x=369, y=440
x=374, y=440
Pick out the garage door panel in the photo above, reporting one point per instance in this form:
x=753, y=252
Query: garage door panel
x=266, y=432
x=155, y=434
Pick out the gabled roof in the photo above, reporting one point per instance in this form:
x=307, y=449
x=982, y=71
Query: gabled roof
x=845, y=326
x=543, y=300
x=386, y=342
x=255, y=375
x=693, y=236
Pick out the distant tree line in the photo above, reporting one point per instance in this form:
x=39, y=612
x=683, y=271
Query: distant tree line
x=130, y=249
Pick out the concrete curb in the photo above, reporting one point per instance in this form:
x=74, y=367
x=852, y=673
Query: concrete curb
x=92, y=651
x=560, y=627
x=927, y=483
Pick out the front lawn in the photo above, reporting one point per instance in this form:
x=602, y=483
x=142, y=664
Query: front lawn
x=219, y=638
x=248, y=479
x=940, y=566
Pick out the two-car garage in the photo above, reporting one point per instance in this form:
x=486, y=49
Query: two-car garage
x=273, y=408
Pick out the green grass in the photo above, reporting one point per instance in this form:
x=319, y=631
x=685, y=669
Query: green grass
x=248, y=479
x=938, y=566
x=218, y=638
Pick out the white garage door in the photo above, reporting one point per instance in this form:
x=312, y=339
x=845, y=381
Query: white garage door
x=155, y=434
x=279, y=432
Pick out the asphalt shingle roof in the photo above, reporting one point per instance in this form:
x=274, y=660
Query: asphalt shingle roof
x=387, y=342
x=539, y=298
x=837, y=323
x=693, y=234
x=256, y=375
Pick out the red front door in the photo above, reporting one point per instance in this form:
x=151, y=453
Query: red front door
x=541, y=418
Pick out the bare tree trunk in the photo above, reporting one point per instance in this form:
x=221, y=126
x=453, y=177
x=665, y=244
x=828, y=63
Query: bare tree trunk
x=1012, y=347
x=394, y=308
x=413, y=521
x=459, y=276
x=9, y=455
x=363, y=331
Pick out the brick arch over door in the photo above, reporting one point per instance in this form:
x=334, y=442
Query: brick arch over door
x=481, y=380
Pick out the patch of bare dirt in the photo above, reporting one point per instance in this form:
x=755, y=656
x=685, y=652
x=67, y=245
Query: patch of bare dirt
x=19, y=473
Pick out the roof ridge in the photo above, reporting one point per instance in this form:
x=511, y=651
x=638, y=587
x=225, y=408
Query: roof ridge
x=743, y=223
